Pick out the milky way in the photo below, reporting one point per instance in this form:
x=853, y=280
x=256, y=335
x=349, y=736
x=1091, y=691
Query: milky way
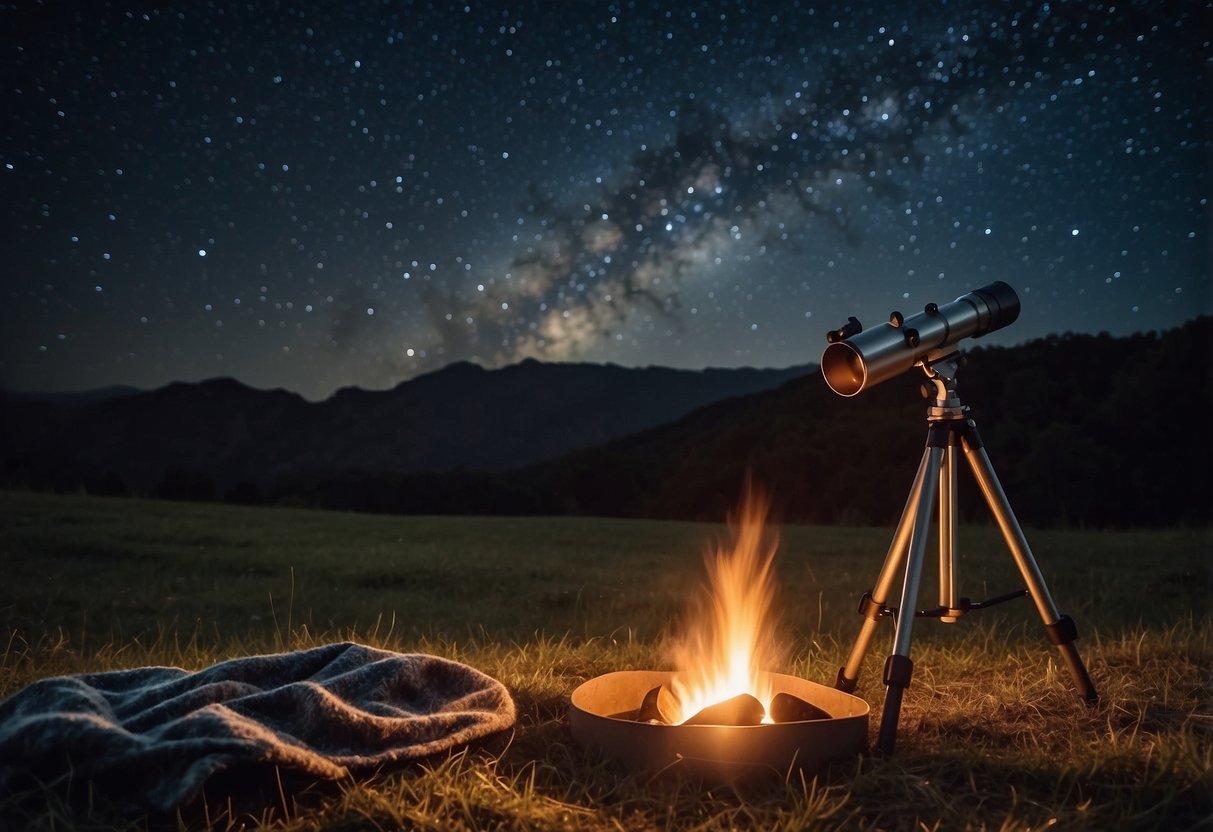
x=317, y=195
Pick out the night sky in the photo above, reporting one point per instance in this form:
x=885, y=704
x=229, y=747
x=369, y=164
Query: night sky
x=315, y=195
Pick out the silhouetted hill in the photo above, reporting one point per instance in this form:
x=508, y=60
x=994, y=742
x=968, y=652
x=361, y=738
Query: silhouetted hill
x=1081, y=429
x=220, y=438
x=98, y=394
x=181, y=441
x=466, y=415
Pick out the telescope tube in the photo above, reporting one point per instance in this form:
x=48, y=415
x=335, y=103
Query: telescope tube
x=854, y=363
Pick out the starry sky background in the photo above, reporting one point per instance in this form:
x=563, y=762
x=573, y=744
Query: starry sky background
x=315, y=195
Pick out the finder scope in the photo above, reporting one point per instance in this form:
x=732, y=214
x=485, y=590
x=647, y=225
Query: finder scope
x=857, y=359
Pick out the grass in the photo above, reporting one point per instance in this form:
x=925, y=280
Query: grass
x=992, y=736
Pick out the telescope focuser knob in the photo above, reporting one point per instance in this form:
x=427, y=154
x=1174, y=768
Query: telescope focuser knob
x=896, y=319
x=912, y=337
x=851, y=327
x=931, y=308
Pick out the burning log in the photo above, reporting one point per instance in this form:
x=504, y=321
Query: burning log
x=788, y=708
x=742, y=709
x=651, y=709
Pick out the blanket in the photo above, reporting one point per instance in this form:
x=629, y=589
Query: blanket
x=155, y=734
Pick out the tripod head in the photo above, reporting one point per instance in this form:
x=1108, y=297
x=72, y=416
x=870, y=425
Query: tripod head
x=941, y=392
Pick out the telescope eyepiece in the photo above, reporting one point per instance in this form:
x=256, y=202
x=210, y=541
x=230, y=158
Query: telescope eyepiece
x=1002, y=304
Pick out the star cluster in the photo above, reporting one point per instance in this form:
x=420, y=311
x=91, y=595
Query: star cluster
x=317, y=195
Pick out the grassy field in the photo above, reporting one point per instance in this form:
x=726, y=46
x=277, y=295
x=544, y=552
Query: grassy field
x=992, y=735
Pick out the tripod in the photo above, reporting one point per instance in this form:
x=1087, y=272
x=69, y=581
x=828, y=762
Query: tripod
x=949, y=428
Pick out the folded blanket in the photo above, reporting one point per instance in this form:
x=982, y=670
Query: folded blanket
x=157, y=733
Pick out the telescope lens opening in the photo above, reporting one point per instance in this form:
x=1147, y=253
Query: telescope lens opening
x=843, y=369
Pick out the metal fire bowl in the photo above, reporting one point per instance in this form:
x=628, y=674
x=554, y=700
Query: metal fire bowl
x=719, y=751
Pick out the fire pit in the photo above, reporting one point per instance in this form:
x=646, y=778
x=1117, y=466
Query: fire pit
x=720, y=713
x=604, y=712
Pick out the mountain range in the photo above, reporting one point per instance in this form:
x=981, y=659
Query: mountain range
x=231, y=436
x=1081, y=429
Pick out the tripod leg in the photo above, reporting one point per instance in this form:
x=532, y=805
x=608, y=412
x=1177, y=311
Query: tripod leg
x=948, y=597
x=872, y=603
x=899, y=667
x=1060, y=628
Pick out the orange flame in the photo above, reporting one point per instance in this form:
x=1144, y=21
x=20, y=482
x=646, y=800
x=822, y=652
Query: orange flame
x=729, y=643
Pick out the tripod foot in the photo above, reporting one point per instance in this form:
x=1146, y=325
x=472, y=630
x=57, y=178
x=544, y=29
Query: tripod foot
x=844, y=684
x=1062, y=634
x=897, y=673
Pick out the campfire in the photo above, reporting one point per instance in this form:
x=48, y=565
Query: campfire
x=722, y=707
x=729, y=639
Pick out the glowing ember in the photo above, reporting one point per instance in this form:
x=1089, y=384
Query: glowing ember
x=729, y=640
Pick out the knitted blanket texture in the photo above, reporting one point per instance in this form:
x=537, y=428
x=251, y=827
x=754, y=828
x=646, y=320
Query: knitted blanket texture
x=155, y=734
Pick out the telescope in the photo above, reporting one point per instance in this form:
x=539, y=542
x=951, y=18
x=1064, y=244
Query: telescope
x=857, y=359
